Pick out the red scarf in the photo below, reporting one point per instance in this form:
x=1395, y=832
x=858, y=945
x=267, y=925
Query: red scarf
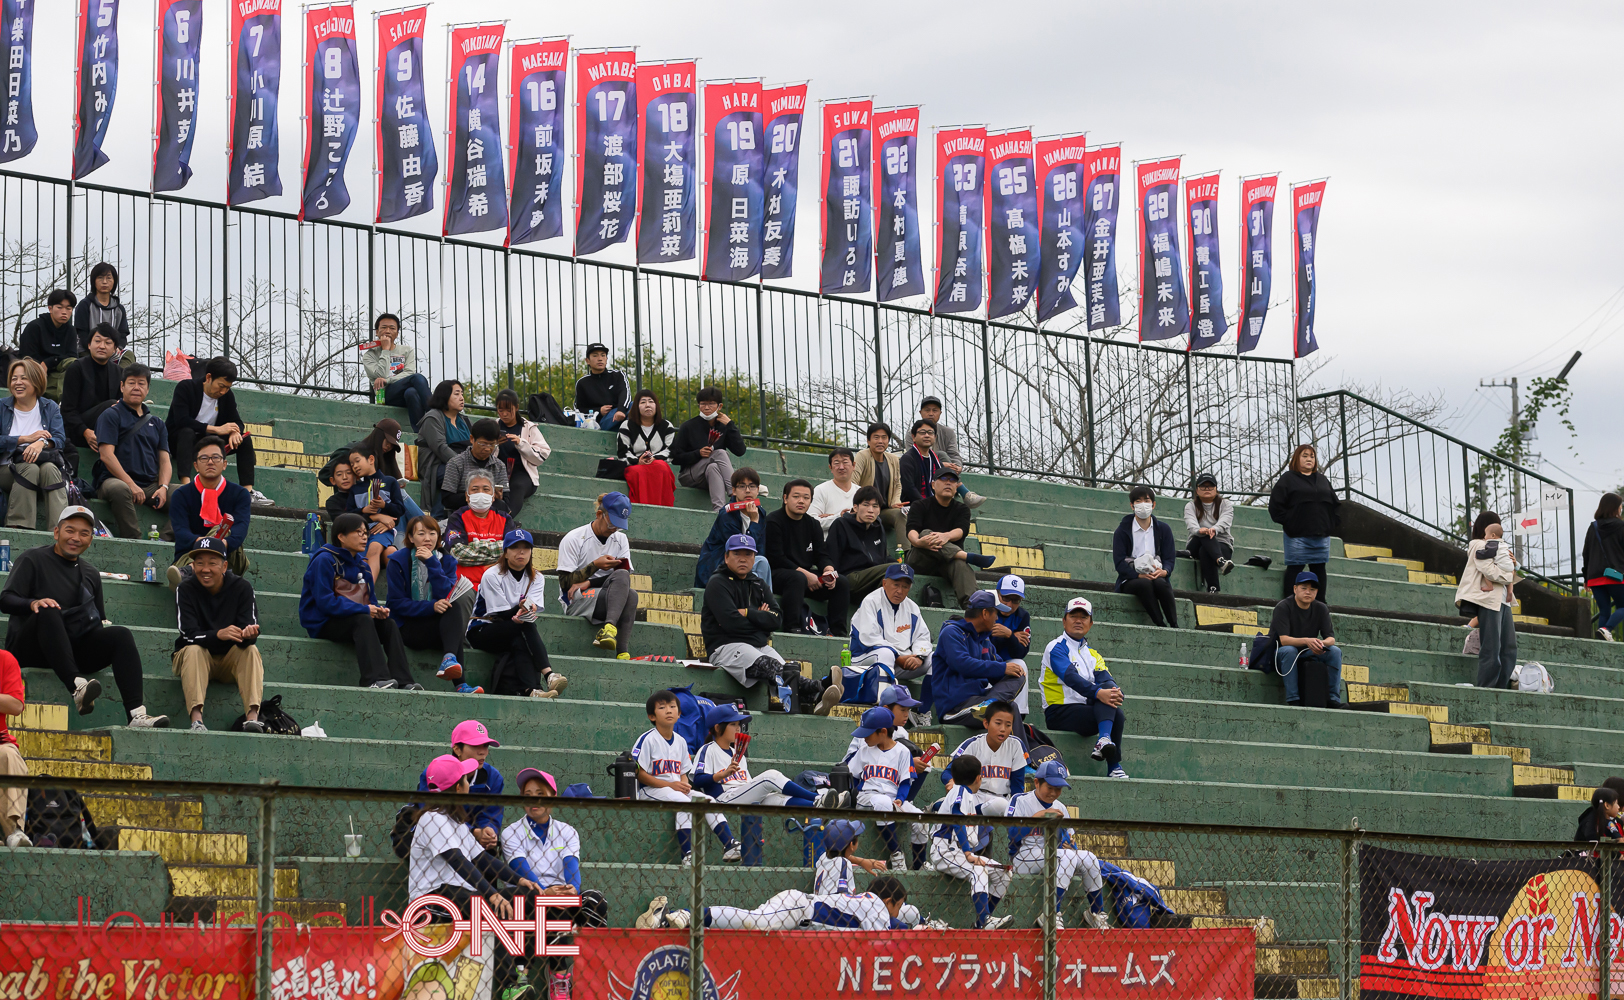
x=211, y=501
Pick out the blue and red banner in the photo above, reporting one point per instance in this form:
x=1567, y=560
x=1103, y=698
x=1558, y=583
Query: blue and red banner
x=407, y=163
x=256, y=79
x=95, y=82
x=848, y=224
x=606, y=148
x=1305, y=212
x=1060, y=183
x=961, y=162
x=17, y=132
x=332, y=108
x=1164, y=304
x=735, y=195
x=1012, y=222
x=536, y=131
x=899, y=268
x=1207, y=323
x=668, y=228
x=1102, y=193
x=783, y=112
x=1257, y=257
x=476, y=177
x=180, y=44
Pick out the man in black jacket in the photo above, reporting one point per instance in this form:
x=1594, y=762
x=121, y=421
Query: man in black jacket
x=701, y=446
x=210, y=407
x=737, y=620
x=602, y=393
x=795, y=552
x=855, y=546
x=50, y=339
x=937, y=527
x=89, y=387
x=920, y=462
x=218, y=629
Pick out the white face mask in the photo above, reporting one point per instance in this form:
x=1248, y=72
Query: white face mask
x=1143, y=510
x=712, y=415
x=480, y=502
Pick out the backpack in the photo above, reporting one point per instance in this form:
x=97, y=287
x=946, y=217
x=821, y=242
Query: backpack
x=58, y=817
x=542, y=408
x=1263, y=650
x=1134, y=900
x=1532, y=677
x=276, y=721
x=930, y=596
x=691, y=724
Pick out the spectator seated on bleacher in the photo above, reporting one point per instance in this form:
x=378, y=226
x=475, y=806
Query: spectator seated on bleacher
x=602, y=395
x=644, y=448
x=737, y=621
x=882, y=469
x=54, y=598
x=833, y=497
x=966, y=673
x=219, y=626
x=32, y=443
x=702, y=445
x=485, y=437
x=882, y=774
x=133, y=470
x=90, y=387
x=724, y=774
x=920, y=463
x=855, y=543
x=937, y=527
x=13, y=801
x=512, y=594
x=470, y=740
x=444, y=432
x=742, y=516
x=379, y=500
x=547, y=851
x=1012, y=632
x=385, y=440
x=664, y=764
x=209, y=506
x=209, y=407
x=795, y=550
x=337, y=603
x=51, y=340
x=423, y=599
x=392, y=366
x=1301, y=627
x=474, y=534
x=523, y=449
x=100, y=306
x=1207, y=519
x=947, y=446
x=595, y=574
x=890, y=641
x=1142, y=550
x=1079, y=695
x=1600, y=822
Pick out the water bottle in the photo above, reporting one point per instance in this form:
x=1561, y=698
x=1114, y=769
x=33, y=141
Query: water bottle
x=149, y=570
x=5, y=555
x=1246, y=655
x=624, y=772
x=152, y=533
x=899, y=552
x=312, y=534
x=845, y=658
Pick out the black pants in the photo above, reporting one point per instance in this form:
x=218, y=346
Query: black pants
x=1005, y=688
x=790, y=584
x=443, y=632
x=593, y=912
x=1084, y=720
x=183, y=447
x=1156, y=596
x=1206, y=552
x=43, y=641
x=77, y=438
x=520, y=488
x=502, y=960
x=508, y=636
x=1318, y=569
x=378, y=650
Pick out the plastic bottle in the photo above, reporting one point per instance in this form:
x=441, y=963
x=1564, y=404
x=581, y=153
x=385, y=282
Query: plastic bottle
x=152, y=533
x=899, y=552
x=149, y=570
x=845, y=658
x=1246, y=655
x=5, y=555
x=378, y=396
x=312, y=534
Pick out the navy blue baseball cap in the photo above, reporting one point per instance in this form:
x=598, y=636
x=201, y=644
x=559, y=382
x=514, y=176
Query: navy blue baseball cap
x=721, y=715
x=516, y=537
x=737, y=543
x=1053, y=773
x=874, y=720
x=618, y=508
x=1307, y=576
x=899, y=571
x=896, y=694
x=842, y=832
x=207, y=544
x=981, y=599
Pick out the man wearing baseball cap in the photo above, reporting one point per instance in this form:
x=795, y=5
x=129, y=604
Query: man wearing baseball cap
x=602, y=395
x=737, y=620
x=54, y=598
x=471, y=743
x=890, y=641
x=219, y=628
x=595, y=574
x=1301, y=628
x=967, y=674
x=1079, y=694
x=937, y=526
x=1026, y=844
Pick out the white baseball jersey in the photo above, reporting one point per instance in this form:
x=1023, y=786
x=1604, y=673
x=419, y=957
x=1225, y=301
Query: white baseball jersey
x=856, y=744
x=582, y=545
x=833, y=876
x=793, y=908
x=546, y=859
x=960, y=801
x=1028, y=804
x=1000, y=768
x=712, y=760
x=661, y=757
x=434, y=834
x=880, y=771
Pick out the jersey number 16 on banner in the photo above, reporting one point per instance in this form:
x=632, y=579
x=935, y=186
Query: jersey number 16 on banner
x=536, y=130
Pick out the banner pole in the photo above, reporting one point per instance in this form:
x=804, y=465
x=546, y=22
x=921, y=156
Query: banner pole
x=761, y=355
x=266, y=900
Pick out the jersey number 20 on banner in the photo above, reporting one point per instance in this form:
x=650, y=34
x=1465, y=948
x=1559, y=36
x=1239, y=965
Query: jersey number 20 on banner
x=783, y=113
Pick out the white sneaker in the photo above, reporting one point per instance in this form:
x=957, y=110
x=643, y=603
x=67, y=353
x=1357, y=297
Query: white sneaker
x=84, y=697
x=733, y=853
x=918, y=719
x=1117, y=772
x=1059, y=923
x=936, y=924
x=652, y=917
x=677, y=918
x=997, y=923
x=1604, y=634
x=1104, y=744
x=688, y=860
x=1098, y=921
x=19, y=839
x=145, y=721
x=258, y=499
x=1225, y=565
x=541, y=693
x=973, y=500
x=898, y=862
x=831, y=799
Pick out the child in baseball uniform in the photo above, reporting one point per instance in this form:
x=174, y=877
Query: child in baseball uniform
x=723, y=774
x=1002, y=756
x=877, y=909
x=951, y=843
x=1026, y=845
x=836, y=870
x=881, y=773
x=663, y=766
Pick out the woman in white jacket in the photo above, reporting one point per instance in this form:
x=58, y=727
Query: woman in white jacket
x=511, y=594
x=1485, y=591
x=523, y=450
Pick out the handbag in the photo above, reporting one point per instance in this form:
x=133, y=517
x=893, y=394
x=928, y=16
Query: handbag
x=611, y=468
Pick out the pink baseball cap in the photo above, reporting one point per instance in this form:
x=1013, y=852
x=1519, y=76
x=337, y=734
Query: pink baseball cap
x=473, y=733
x=532, y=772
x=445, y=771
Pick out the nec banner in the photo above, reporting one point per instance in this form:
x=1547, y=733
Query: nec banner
x=1305, y=213
x=961, y=159
x=407, y=164
x=180, y=40
x=17, y=27
x=1060, y=186
x=332, y=108
x=256, y=77
x=848, y=226
x=606, y=148
x=1012, y=222
x=667, y=229
x=1207, y=323
x=1102, y=191
x=536, y=130
x=1257, y=260
x=783, y=111
x=1164, y=307
x=899, y=267
x=96, y=77
x=476, y=189
x=734, y=196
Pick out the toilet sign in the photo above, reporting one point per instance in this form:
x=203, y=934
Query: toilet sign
x=1552, y=497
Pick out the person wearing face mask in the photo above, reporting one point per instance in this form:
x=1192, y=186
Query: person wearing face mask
x=701, y=446
x=484, y=440
x=473, y=534
x=1142, y=549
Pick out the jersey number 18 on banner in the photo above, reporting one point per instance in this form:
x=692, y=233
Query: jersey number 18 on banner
x=666, y=231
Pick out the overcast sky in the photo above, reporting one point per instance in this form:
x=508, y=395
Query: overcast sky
x=1470, y=227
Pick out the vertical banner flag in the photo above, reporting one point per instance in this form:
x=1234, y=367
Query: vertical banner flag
x=1102, y=183
x=1305, y=213
x=1060, y=185
x=180, y=41
x=1207, y=323
x=668, y=184
x=536, y=130
x=95, y=82
x=605, y=148
x=783, y=109
x=476, y=177
x=332, y=108
x=734, y=194
x=407, y=163
x=899, y=270
x=1257, y=259
x=848, y=227
x=1164, y=305
x=256, y=78
x=961, y=159
x=17, y=27
x=1012, y=222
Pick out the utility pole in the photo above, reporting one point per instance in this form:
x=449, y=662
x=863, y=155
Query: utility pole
x=1516, y=454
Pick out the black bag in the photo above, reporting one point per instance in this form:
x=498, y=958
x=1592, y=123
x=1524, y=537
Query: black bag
x=1263, y=650
x=400, y=837
x=544, y=409
x=58, y=817
x=1313, y=682
x=276, y=720
x=1034, y=737
x=611, y=468
x=931, y=597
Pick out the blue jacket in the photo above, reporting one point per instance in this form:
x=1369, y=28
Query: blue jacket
x=1122, y=548
x=1011, y=648
x=724, y=527
x=442, y=577
x=318, y=602
x=485, y=781
x=186, y=515
x=50, y=417
x=964, y=665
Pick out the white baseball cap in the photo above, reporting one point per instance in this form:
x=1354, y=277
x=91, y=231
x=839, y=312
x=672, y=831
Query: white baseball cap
x=1080, y=604
x=1012, y=584
x=77, y=511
